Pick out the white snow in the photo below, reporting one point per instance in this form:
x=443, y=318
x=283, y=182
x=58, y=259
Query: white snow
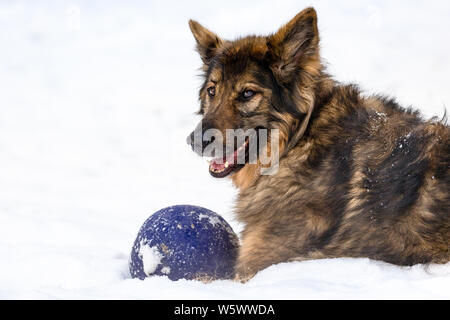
x=151, y=258
x=96, y=100
x=165, y=270
x=211, y=220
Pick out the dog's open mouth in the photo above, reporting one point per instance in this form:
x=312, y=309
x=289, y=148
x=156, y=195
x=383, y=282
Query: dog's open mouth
x=222, y=167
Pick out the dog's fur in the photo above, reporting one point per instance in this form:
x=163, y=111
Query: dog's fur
x=358, y=176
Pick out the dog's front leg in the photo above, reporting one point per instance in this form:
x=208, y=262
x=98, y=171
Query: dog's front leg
x=257, y=252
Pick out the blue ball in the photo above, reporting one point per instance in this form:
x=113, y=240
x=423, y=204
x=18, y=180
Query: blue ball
x=184, y=242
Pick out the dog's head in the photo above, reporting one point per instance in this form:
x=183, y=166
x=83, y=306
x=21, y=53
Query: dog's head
x=255, y=83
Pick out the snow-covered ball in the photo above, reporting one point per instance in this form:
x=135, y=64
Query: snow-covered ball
x=184, y=242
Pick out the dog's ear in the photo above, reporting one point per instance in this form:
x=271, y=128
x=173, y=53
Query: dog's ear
x=207, y=41
x=294, y=44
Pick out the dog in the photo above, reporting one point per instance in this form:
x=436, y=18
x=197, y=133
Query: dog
x=357, y=176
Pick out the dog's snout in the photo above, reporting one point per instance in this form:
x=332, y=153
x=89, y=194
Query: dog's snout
x=197, y=140
x=190, y=139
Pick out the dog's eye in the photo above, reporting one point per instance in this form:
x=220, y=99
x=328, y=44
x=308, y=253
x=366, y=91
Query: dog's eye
x=211, y=91
x=247, y=94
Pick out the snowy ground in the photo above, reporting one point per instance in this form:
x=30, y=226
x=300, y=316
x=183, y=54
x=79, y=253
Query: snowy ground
x=96, y=98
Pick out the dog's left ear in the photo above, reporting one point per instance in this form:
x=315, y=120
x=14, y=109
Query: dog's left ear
x=207, y=41
x=294, y=44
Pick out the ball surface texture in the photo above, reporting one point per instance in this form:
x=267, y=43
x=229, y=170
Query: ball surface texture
x=184, y=242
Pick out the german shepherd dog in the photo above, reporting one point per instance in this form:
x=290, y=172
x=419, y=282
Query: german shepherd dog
x=358, y=176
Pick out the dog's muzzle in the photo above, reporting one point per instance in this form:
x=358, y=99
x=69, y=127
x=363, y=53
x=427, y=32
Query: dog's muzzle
x=195, y=140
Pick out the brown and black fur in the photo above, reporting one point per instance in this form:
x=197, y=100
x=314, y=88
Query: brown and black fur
x=358, y=176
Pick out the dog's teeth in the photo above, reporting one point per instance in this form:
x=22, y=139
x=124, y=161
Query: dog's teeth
x=226, y=164
x=209, y=161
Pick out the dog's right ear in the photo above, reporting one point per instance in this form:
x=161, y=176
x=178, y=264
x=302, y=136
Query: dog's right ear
x=294, y=44
x=207, y=41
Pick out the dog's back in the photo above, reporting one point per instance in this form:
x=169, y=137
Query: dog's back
x=369, y=179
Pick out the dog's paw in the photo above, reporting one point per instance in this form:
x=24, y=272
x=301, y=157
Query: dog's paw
x=242, y=278
x=243, y=275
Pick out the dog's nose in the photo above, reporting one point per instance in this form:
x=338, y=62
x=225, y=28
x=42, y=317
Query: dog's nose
x=195, y=140
x=190, y=139
x=197, y=143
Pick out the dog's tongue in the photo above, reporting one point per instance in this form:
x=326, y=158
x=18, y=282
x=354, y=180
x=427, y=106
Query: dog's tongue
x=222, y=164
x=221, y=167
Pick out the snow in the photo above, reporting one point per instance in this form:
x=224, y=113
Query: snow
x=211, y=220
x=151, y=258
x=165, y=270
x=96, y=101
